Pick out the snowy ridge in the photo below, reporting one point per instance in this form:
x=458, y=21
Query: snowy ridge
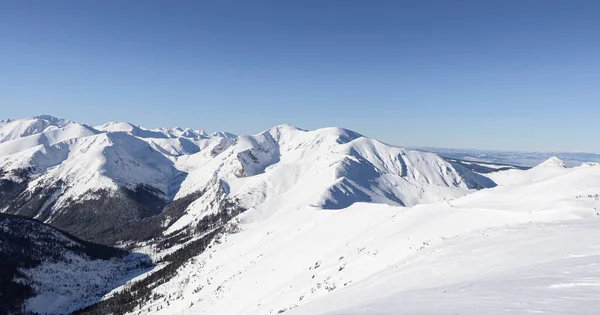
x=12, y=129
x=331, y=167
x=176, y=132
x=18, y=136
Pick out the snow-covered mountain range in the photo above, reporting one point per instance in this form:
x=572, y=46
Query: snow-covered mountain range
x=55, y=170
x=304, y=222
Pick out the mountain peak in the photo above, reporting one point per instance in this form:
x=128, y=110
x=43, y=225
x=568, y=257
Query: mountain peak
x=553, y=162
x=343, y=135
x=285, y=128
x=50, y=118
x=118, y=126
x=221, y=134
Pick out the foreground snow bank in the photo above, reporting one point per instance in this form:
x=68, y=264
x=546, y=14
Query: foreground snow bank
x=525, y=269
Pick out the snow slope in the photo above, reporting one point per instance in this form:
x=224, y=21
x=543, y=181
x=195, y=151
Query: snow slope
x=557, y=272
x=522, y=248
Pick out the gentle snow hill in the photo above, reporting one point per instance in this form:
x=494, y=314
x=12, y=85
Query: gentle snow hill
x=547, y=169
x=53, y=272
x=286, y=168
x=572, y=187
x=499, y=244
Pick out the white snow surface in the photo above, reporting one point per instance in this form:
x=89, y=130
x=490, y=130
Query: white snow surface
x=527, y=247
x=554, y=270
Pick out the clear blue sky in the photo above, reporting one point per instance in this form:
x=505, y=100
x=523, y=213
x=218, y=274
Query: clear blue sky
x=521, y=75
